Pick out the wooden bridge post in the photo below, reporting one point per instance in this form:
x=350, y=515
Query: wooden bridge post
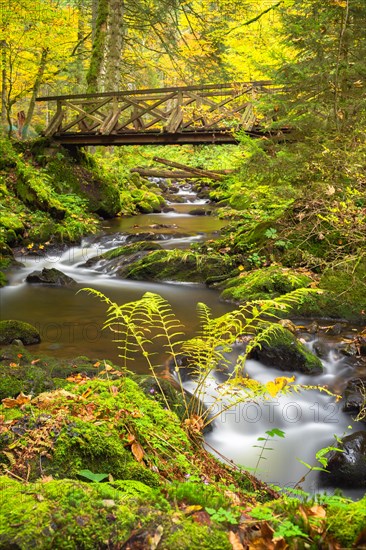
x=55, y=124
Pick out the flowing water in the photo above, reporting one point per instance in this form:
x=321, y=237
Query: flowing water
x=71, y=322
x=70, y=325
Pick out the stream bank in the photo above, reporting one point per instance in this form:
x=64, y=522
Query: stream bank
x=102, y=262
x=80, y=333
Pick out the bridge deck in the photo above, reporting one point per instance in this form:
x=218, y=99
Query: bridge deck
x=164, y=116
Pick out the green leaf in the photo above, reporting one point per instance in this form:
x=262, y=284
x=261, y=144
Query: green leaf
x=88, y=474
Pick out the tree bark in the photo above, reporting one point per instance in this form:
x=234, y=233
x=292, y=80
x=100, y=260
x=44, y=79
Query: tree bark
x=3, y=85
x=197, y=171
x=105, y=64
x=35, y=91
x=115, y=36
x=96, y=71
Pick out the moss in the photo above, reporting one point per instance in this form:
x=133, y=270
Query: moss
x=3, y=279
x=29, y=380
x=179, y=265
x=104, y=447
x=197, y=492
x=146, y=201
x=193, y=535
x=174, y=397
x=18, y=330
x=129, y=249
x=135, y=489
x=346, y=520
x=343, y=297
x=11, y=221
x=65, y=515
x=83, y=446
x=284, y=351
x=265, y=283
x=138, y=472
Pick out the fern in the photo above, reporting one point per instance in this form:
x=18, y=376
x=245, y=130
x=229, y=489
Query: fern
x=136, y=325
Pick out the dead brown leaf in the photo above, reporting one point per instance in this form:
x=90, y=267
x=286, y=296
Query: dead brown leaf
x=10, y=403
x=137, y=451
x=235, y=541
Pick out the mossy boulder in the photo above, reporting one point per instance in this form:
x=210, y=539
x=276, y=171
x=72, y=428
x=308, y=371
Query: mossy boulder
x=346, y=521
x=283, y=351
x=103, y=430
x=119, y=259
x=51, y=276
x=82, y=446
x=3, y=279
x=263, y=284
x=179, y=265
x=18, y=330
x=162, y=391
x=131, y=248
x=146, y=201
x=65, y=514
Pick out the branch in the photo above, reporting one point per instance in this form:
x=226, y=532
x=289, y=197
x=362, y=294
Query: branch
x=256, y=18
x=79, y=43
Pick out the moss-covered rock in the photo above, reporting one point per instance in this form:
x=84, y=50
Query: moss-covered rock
x=65, y=514
x=346, y=521
x=98, y=432
x=18, y=330
x=52, y=276
x=83, y=446
x=284, y=351
x=265, y=283
x=129, y=249
x=179, y=265
x=193, y=535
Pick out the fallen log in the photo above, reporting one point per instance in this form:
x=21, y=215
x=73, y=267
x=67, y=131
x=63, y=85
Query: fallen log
x=169, y=174
x=213, y=175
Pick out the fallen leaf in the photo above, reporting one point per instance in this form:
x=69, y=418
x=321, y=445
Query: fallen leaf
x=46, y=479
x=235, y=541
x=86, y=393
x=153, y=541
x=17, y=402
x=131, y=438
x=190, y=509
x=317, y=511
x=137, y=451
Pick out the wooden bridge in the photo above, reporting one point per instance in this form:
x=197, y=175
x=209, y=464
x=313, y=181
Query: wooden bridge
x=165, y=116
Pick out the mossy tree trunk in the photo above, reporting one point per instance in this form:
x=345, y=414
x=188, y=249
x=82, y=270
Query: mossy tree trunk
x=3, y=83
x=94, y=77
x=35, y=91
x=115, y=36
x=108, y=32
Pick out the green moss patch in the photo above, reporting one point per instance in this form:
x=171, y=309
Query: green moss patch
x=179, y=265
x=18, y=330
x=265, y=283
x=284, y=351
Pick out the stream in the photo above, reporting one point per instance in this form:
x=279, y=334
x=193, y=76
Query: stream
x=70, y=325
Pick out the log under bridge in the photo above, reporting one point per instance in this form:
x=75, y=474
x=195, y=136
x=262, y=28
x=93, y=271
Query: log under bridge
x=162, y=116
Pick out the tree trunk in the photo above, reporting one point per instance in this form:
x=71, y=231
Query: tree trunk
x=115, y=35
x=3, y=85
x=35, y=91
x=95, y=76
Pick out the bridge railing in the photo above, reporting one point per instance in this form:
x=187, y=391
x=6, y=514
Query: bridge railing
x=160, y=110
